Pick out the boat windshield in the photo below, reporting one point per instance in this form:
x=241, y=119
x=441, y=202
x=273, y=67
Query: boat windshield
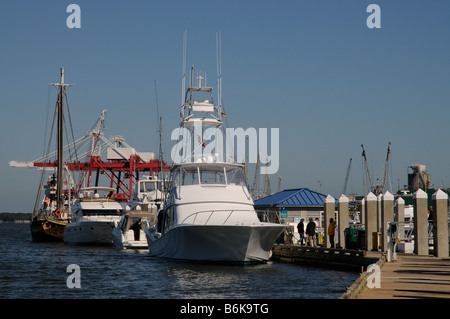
x=189, y=176
x=235, y=176
x=147, y=187
x=209, y=176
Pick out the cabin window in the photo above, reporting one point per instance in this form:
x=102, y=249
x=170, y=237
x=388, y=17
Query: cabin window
x=176, y=178
x=100, y=212
x=189, y=176
x=211, y=176
x=235, y=176
x=147, y=187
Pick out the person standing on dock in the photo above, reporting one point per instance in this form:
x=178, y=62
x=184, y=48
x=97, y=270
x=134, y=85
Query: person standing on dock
x=430, y=214
x=301, y=231
x=310, y=232
x=317, y=235
x=332, y=231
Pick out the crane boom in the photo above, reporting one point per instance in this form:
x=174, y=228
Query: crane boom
x=386, y=165
x=366, y=166
x=346, y=176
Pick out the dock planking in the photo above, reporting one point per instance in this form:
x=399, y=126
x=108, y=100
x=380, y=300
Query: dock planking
x=411, y=277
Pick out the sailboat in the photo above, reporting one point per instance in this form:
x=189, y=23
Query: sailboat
x=208, y=214
x=51, y=215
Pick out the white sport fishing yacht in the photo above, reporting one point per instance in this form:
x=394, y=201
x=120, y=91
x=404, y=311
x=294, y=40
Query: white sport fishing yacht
x=93, y=217
x=209, y=214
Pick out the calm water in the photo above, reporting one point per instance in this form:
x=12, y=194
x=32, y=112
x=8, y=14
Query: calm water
x=39, y=270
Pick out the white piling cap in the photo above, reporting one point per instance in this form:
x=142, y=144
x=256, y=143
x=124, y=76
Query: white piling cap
x=388, y=196
x=371, y=197
x=329, y=199
x=420, y=194
x=343, y=199
x=439, y=194
x=400, y=201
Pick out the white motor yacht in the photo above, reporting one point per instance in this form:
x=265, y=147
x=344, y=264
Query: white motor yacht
x=140, y=213
x=209, y=215
x=130, y=231
x=93, y=218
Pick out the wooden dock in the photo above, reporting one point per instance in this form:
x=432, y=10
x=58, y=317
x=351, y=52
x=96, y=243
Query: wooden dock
x=346, y=259
x=411, y=277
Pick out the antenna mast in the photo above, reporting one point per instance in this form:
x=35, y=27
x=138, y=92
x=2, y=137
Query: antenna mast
x=183, y=77
x=219, y=70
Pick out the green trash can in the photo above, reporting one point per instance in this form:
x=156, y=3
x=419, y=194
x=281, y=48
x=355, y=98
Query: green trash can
x=354, y=238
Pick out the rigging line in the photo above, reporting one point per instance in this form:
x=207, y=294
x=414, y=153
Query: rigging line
x=157, y=105
x=161, y=150
x=36, y=203
x=46, y=118
x=71, y=129
x=52, y=129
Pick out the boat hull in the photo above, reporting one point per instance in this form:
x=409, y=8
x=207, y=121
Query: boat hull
x=122, y=239
x=47, y=230
x=217, y=243
x=89, y=233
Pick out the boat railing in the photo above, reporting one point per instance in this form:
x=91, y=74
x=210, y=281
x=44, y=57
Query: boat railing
x=406, y=231
x=103, y=218
x=212, y=212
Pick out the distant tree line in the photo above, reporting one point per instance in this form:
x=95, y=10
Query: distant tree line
x=10, y=217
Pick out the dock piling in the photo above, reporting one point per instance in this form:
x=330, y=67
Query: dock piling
x=343, y=221
x=440, y=224
x=420, y=223
x=370, y=218
x=329, y=212
x=399, y=216
x=387, y=216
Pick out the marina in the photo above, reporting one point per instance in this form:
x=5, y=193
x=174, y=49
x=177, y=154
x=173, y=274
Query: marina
x=111, y=222
x=204, y=214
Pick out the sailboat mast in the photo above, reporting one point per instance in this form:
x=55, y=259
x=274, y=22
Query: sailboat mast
x=59, y=180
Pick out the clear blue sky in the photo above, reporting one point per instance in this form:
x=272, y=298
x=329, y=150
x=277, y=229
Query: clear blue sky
x=311, y=68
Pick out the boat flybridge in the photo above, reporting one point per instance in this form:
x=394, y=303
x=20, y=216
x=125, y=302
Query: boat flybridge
x=148, y=194
x=208, y=214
